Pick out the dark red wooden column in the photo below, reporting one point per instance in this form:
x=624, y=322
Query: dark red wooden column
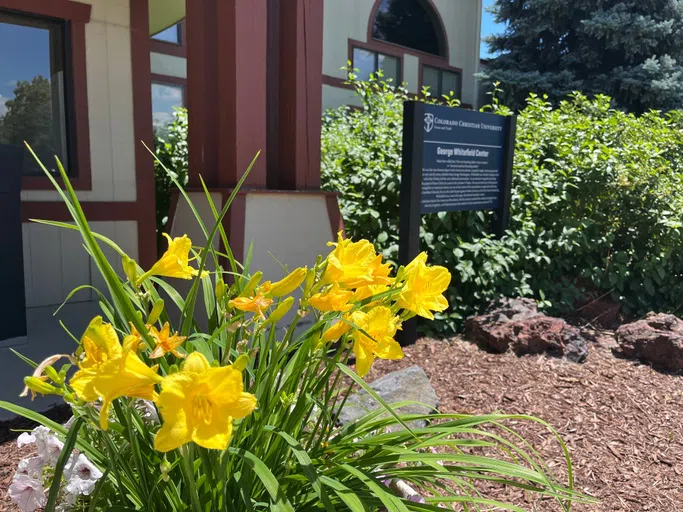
x=226, y=90
x=295, y=67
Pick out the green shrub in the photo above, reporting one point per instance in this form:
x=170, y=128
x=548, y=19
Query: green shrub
x=597, y=204
x=170, y=144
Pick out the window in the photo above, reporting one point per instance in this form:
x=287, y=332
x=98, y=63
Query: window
x=410, y=23
x=165, y=98
x=170, y=35
x=368, y=62
x=441, y=81
x=34, y=88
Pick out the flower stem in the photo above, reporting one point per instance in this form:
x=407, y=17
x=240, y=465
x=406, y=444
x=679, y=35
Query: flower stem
x=188, y=471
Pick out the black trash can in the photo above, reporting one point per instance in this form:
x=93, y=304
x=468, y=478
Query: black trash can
x=12, y=296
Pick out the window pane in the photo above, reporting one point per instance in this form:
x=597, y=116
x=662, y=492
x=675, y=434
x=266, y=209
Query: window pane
x=450, y=82
x=430, y=78
x=170, y=35
x=410, y=23
x=32, y=88
x=391, y=67
x=364, y=62
x=164, y=99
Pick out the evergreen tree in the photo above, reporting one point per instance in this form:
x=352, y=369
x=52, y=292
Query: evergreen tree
x=631, y=50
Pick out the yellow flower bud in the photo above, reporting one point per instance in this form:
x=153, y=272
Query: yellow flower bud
x=220, y=290
x=251, y=285
x=241, y=362
x=156, y=312
x=53, y=375
x=35, y=385
x=130, y=268
x=310, y=279
x=280, y=311
x=288, y=284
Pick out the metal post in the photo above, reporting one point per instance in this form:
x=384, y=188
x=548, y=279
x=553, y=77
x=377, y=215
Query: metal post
x=411, y=191
x=502, y=218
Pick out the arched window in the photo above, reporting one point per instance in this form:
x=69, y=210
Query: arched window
x=410, y=23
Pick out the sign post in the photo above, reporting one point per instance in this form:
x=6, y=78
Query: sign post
x=453, y=160
x=12, y=299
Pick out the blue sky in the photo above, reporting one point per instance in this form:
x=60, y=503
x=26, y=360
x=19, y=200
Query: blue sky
x=488, y=26
x=31, y=61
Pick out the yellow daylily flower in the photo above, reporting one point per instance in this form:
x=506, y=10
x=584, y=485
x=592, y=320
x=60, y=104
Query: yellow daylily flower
x=354, y=264
x=257, y=304
x=165, y=342
x=365, y=292
x=334, y=299
x=381, y=326
x=175, y=261
x=199, y=404
x=286, y=285
x=100, y=343
x=423, y=290
x=133, y=342
x=336, y=331
x=108, y=372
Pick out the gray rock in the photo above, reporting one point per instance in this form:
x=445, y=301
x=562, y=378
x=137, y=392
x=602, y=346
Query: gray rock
x=409, y=384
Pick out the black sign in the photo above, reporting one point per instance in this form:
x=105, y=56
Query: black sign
x=462, y=163
x=453, y=160
x=12, y=298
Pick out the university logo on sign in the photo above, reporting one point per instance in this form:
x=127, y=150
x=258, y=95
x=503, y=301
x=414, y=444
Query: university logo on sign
x=429, y=122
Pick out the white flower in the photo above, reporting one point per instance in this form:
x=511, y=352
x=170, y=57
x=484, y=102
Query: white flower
x=47, y=444
x=25, y=439
x=27, y=493
x=49, y=449
x=32, y=467
x=82, y=476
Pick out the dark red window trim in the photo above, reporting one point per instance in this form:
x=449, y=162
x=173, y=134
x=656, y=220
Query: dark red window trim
x=60, y=9
x=169, y=80
x=175, y=49
x=75, y=15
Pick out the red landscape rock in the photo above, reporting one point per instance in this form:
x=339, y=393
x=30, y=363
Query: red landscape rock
x=657, y=339
x=517, y=325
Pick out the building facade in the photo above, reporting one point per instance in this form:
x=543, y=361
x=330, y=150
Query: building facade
x=429, y=43
x=422, y=43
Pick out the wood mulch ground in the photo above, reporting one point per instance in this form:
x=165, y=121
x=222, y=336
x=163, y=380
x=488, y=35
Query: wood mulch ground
x=622, y=420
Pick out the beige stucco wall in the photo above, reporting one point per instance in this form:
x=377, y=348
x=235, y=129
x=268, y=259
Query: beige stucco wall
x=54, y=260
x=285, y=228
x=348, y=19
x=185, y=223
